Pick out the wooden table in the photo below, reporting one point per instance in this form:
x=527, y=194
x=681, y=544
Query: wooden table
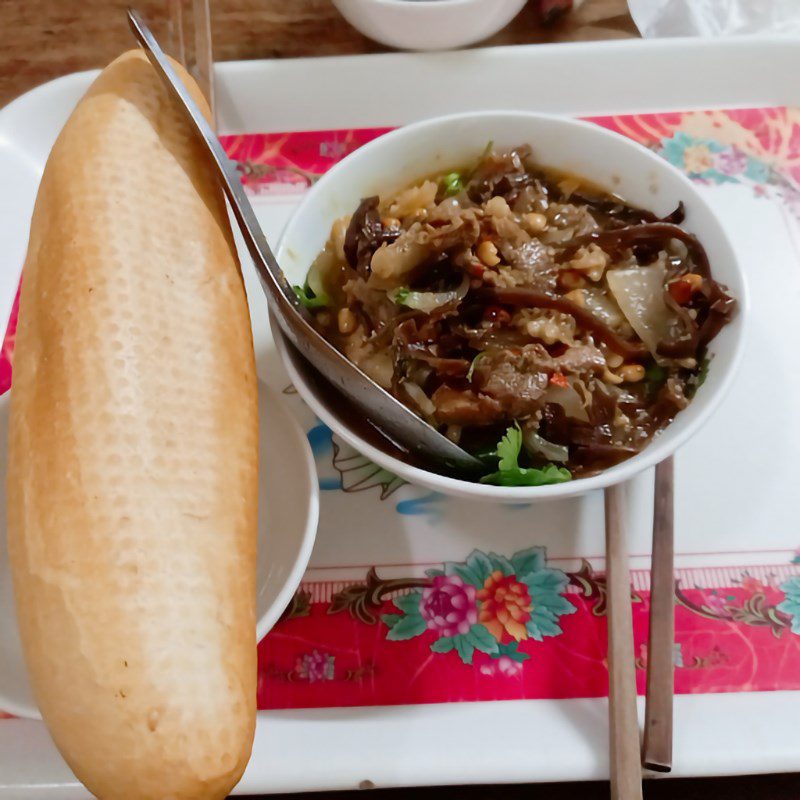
x=767, y=787
x=42, y=39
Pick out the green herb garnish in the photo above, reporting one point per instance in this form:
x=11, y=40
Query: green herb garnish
x=510, y=473
x=400, y=295
x=702, y=370
x=655, y=377
x=697, y=379
x=452, y=184
x=472, y=366
x=310, y=300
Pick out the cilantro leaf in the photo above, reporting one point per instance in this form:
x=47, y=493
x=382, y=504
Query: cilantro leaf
x=655, y=376
x=530, y=476
x=310, y=300
x=510, y=473
x=508, y=449
x=400, y=295
x=452, y=184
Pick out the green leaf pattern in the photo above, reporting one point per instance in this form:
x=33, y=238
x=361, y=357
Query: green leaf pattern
x=791, y=605
x=409, y=603
x=526, y=562
x=407, y=627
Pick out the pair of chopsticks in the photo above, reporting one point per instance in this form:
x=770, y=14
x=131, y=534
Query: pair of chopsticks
x=626, y=758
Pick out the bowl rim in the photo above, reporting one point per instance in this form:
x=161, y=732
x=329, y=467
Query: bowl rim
x=653, y=453
x=266, y=621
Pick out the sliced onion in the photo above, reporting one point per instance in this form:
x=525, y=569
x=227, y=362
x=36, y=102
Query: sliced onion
x=453, y=433
x=314, y=277
x=569, y=399
x=536, y=445
x=428, y=302
x=583, y=392
x=419, y=398
x=569, y=186
x=392, y=262
x=639, y=292
x=414, y=198
x=380, y=367
x=604, y=307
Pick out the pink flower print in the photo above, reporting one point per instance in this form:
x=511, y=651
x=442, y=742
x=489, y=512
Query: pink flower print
x=448, y=606
x=315, y=666
x=716, y=604
x=505, y=666
x=508, y=667
x=730, y=161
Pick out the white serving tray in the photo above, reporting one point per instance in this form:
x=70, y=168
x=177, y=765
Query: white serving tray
x=543, y=740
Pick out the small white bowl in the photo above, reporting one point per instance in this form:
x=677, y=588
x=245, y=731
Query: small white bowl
x=288, y=514
x=428, y=24
x=635, y=173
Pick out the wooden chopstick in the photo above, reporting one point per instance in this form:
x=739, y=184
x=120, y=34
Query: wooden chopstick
x=203, y=71
x=176, y=45
x=625, y=755
x=198, y=59
x=657, y=749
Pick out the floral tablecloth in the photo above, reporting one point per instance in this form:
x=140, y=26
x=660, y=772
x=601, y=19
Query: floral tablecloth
x=523, y=622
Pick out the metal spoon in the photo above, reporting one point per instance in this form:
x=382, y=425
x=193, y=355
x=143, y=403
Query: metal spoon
x=395, y=420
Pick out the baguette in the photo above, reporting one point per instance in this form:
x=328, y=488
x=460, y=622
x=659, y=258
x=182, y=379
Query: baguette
x=133, y=451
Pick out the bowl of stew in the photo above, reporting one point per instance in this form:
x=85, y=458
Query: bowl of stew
x=555, y=298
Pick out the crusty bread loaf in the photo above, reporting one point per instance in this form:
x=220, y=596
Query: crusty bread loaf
x=133, y=454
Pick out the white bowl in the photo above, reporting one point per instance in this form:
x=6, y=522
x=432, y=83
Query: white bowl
x=608, y=159
x=428, y=24
x=287, y=524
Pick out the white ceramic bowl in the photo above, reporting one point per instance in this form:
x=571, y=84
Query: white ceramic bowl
x=608, y=159
x=428, y=24
x=287, y=524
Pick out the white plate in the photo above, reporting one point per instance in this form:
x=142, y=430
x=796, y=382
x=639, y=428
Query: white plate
x=287, y=524
x=750, y=510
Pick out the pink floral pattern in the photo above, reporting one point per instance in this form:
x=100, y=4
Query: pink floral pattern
x=315, y=666
x=759, y=148
x=504, y=667
x=448, y=606
x=7, y=350
x=747, y=639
